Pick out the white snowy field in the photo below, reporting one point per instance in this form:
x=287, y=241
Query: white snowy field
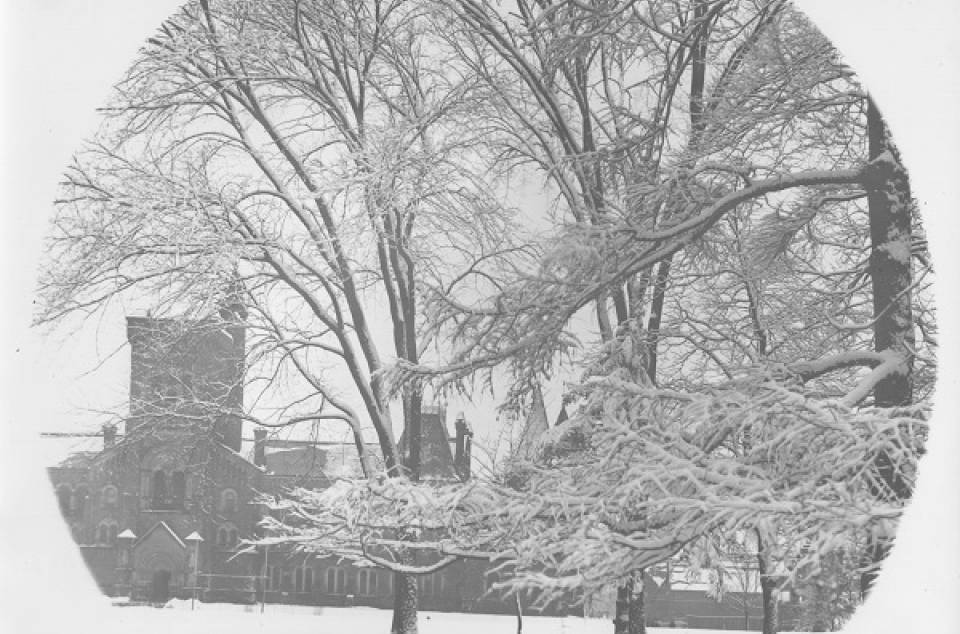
x=236, y=619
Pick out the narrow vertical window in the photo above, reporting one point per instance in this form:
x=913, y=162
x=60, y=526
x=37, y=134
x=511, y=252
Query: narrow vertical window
x=178, y=487
x=228, y=501
x=159, y=488
x=331, y=581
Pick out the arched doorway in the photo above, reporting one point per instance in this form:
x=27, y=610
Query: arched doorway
x=160, y=586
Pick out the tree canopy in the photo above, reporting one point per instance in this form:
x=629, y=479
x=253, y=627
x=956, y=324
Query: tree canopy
x=725, y=204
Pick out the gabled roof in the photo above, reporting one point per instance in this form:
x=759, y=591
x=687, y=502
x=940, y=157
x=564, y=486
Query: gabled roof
x=236, y=456
x=534, y=428
x=160, y=526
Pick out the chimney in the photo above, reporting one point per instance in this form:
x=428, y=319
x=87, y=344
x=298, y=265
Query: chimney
x=260, y=447
x=461, y=459
x=109, y=435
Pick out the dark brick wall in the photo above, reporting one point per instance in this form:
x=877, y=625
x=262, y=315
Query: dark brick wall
x=186, y=374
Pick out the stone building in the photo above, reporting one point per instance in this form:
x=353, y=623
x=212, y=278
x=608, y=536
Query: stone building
x=160, y=510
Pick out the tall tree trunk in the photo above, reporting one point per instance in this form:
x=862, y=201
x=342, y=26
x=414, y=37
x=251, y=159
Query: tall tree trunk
x=405, y=585
x=630, y=616
x=655, y=317
x=771, y=605
x=404, y=604
x=768, y=588
x=638, y=617
x=890, y=270
x=621, y=617
x=890, y=266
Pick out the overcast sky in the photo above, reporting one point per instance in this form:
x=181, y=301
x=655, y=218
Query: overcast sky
x=59, y=58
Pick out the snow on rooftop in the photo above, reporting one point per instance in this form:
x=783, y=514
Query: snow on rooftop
x=50, y=451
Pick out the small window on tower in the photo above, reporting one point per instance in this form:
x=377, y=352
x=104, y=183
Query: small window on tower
x=110, y=496
x=228, y=501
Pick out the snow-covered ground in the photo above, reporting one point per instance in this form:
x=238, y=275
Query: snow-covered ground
x=235, y=619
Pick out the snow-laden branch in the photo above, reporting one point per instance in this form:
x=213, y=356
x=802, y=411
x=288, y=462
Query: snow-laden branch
x=807, y=370
x=527, y=322
x=639, y=475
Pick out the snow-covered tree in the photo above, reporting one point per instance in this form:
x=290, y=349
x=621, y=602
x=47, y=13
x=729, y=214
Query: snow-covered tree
x=318, y=161
x=709, y=162
x=659, y=471
x=786, y=111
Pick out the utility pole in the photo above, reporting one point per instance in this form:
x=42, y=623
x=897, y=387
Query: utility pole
x=263, y=578
x=195, y=539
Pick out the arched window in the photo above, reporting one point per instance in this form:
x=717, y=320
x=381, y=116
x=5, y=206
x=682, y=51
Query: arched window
x=110, y=496
x=228, y=501
x=64, y=495
x=107, y=533
x=308, y=579
x=298, y=580
x=336, y=581
x=178, y=487
x=276, y=577
x=269, y=577
x=159, y=489
x=427, y=584
x=227, y=536
x=331, y=580
x=367, y=582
